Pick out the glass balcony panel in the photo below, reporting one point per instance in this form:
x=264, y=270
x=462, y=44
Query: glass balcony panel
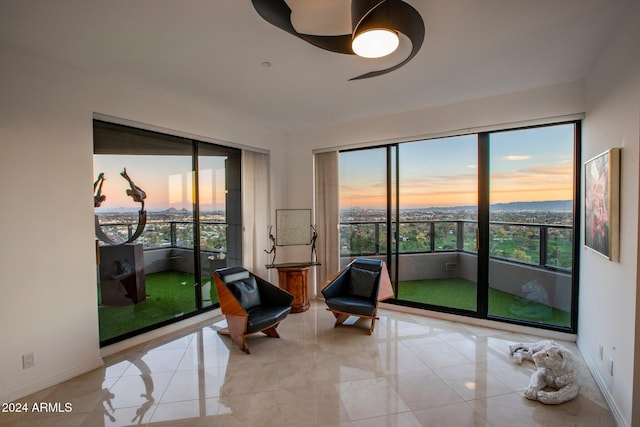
x=156, y=235
x=560, y=247
x=415, y=237
x=446, y=236
x=515, y=242
x=362, y=239
x=470, y=243
x=184, y=235
x=115, y=232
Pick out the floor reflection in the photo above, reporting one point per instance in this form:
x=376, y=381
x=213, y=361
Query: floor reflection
x=412, y=371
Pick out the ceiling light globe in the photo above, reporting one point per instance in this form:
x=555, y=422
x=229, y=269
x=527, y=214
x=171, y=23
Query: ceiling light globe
x=375, y=43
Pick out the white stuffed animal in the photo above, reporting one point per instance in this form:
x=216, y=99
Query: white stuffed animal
x=557, y=369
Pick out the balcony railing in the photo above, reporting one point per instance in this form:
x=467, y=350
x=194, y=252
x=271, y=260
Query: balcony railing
x=172, y=234
x=545, y=245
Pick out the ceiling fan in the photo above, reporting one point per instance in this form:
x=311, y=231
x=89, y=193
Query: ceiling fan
x=375, y=25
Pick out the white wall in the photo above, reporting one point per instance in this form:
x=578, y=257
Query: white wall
x=498, y=111
x=608, y=311
x=47, y=264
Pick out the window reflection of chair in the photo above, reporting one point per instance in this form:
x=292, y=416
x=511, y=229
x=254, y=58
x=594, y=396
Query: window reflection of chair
x=356, y=291
x=250, y=304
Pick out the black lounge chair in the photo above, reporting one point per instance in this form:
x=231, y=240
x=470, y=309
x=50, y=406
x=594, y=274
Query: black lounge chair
x=250, y=304
x=355, y=291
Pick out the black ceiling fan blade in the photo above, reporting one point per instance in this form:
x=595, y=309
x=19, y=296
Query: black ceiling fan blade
x=406, y=20
x=275, y=12
x=278, y=14
x=337, y=44
x=401, y=16
x=360, y=9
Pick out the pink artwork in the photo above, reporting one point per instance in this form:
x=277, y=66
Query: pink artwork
x=601, y=213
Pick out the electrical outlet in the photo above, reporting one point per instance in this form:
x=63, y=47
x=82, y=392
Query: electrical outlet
x=611, y=366
x=28, y=360
x=601, y=352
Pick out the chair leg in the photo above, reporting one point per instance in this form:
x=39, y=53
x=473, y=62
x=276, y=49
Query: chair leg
x=271, y=331
x=238, y=339
x=340, y=318
x=242, y=343
x=235, y=329
x=373, y=324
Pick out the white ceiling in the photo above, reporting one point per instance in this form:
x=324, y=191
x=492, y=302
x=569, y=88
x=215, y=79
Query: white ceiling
x=214, y=50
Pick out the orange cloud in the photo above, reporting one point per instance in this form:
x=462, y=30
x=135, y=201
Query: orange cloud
x=535, y=183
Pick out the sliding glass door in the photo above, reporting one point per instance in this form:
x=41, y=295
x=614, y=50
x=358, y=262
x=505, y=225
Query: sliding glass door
x=531, y=224
x=364, y=213
x=481, y=224
x=437, y=262
x=219, y=214
x=167, y=213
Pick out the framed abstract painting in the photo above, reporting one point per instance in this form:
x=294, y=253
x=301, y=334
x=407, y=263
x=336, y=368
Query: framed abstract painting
x=602, y=204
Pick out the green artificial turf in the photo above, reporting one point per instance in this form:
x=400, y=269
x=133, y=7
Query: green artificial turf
x=461, y=293
x=169, y=294
x=454, y=293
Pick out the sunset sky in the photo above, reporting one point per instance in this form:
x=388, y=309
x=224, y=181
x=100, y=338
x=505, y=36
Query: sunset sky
x=527, y=165
x=167, y=181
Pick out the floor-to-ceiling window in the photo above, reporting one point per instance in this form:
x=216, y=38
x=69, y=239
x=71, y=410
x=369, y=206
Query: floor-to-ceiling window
x=438, y=217
x=531, y=224
x=484, y=226
x=363, y=203
x=163, y=207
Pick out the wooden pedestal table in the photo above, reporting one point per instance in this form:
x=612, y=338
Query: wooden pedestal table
x=293, y=278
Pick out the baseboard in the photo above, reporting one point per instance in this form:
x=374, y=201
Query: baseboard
x=50, y=381
x=617, y=415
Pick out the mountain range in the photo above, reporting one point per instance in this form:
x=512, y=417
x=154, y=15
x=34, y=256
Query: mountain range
x=546, y=205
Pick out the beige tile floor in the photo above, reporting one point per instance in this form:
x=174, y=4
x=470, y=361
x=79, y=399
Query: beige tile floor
x=413, y=371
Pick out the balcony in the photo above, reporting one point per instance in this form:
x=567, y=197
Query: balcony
x=433, y=255
x=169, y=275
x=529, y=264
x=168, y=245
